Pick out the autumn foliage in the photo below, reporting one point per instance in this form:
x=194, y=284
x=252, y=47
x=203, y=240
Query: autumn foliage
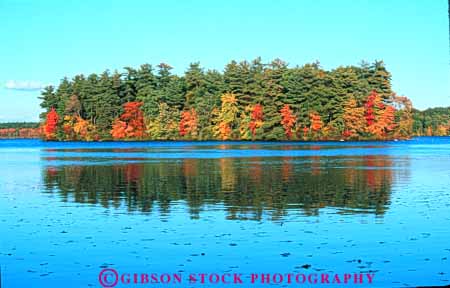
x=380, y=116
x=256, y=118
x=353, y=117
x=226, y=118
x=20, y=132
x=188, y=123
x=316, y=122
x=51, y=124
x=131, y=123
x=370, y=108
x=287, y=120
x=248, y=100
x=118, y=130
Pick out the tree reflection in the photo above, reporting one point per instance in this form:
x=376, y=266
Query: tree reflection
x=247, y=188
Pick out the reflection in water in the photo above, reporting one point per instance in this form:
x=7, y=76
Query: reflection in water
x=245, y=188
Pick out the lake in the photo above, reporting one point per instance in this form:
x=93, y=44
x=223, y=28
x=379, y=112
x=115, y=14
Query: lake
x=69, y=210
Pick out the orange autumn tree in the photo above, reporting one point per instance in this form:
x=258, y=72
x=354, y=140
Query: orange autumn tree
x=387, y=120
x=288, y=120
x=372, y=102
x=353, y=118
x=380, y=117
x=118, y=129
x=224, y=130
x=256, y=119
x=188, y=123
x=131, y=123
x=51, y=124
x=316, y=121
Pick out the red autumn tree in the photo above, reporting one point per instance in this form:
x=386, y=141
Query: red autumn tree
x=51, y=124
x=369, y=111
x=257, y=118
x=188, y=123
x=134, y=117
x=287, y=120
x=131, y=123
x=380, y=117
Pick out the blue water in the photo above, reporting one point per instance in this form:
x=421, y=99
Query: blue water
x=70, y=209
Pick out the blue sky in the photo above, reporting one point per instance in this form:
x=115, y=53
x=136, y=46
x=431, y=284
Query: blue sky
x=43, y=41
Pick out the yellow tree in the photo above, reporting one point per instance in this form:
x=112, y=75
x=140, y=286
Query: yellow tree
x=353, y=118
x=165, y=125
x=226, y=119
x=85, y=129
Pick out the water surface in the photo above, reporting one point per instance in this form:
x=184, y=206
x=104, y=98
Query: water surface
x=68, y=210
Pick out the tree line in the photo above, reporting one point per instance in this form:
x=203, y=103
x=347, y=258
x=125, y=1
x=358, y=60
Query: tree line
x=249, y=100
x=20, y=130
x=432, y=122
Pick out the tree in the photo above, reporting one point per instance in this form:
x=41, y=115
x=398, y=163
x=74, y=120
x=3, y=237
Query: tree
x=118, y=130
x=316, y=122
x=51, y=124
x=165, y=125
x=274, y=95
x=85, y=129
x=48, y=100
x=287, y=120
x=380, y=116
x=132, y=121
x=387, y=120
x=256, y=119
x=226, y=121
x=370, y=108
x=73, y=106
x=353, y=118
x=188, y=126
x=404, y=116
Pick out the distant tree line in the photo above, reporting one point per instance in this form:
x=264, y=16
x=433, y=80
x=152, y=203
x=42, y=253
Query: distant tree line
x=248, y=101
x=432, y=122
x=18, y=125
x=20, y=130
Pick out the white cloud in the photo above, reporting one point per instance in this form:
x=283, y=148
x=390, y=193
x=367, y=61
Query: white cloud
x=24, y=85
